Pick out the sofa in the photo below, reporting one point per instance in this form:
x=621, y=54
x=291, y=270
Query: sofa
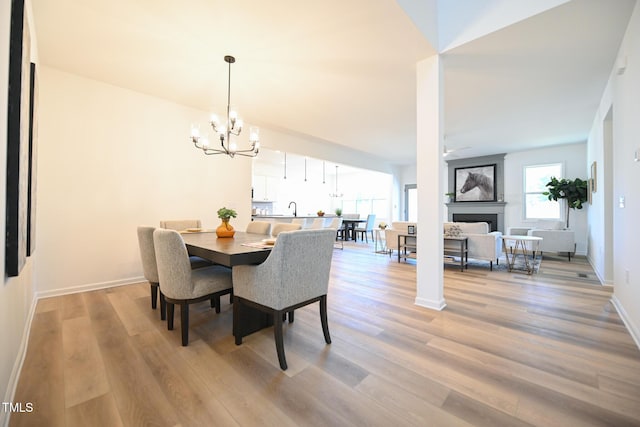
x=555, y=238
x=481, y=244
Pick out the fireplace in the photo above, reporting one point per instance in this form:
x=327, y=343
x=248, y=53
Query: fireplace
x=492, y=219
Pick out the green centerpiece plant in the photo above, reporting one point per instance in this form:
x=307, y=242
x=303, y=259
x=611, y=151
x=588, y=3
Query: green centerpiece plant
x=225, y=229
x=338, y=211
x=574, y=192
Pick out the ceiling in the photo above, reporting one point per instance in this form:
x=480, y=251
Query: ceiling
x=344, y=71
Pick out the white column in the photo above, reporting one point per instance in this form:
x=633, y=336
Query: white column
x=429, y=166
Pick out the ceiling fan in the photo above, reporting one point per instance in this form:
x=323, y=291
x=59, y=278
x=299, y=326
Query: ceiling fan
x=447, y=152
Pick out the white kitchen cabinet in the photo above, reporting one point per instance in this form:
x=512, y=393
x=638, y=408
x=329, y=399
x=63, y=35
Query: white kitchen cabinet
x=265, y=188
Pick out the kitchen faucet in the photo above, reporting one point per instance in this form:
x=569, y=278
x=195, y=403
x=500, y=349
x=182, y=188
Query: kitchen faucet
x=295, y=208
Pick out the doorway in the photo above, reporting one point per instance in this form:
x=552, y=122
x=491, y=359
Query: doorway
x=411, y=202
x=607, y=130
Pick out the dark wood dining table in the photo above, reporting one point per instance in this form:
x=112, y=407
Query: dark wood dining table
x=350, y=226
x=230, y=252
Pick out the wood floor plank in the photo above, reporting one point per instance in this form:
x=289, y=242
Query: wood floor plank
x=42, y=377
x=137, y=394
x=100, y=411
x=85, y=374
x=508, y=350
x=189, y=396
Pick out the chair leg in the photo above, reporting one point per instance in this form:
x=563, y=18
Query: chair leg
x=291, y=316
x=323, y=319
x=215, y=303
x=163, y=307
x=184, y=323
x=231, y=297
x=154, y=295
x=277, y=332
x=236, y=321
x=170, y=308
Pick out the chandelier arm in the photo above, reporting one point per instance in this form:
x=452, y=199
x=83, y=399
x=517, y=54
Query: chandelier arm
x=230, y=130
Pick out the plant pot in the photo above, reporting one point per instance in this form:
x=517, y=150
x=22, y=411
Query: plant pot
x=225, y=229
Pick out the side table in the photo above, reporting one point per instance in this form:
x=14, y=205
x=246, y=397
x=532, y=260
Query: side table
x=457, y=246
x=379, y=237
x=519, y=244
x=407, y=246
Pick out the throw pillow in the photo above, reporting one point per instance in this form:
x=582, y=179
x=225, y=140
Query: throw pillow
x=453, y=231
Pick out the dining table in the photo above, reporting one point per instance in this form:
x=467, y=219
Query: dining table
x=241, y=249
x=350, y=227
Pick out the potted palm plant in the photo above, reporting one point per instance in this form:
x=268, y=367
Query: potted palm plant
x=225, y=229
x=574, y=192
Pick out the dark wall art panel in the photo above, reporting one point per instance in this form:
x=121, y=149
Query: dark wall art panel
x=33, y=162
x=17, y=141
x=476, y=184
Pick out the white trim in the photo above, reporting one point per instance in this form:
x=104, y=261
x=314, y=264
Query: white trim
x=17, y=366
x=635, y=333
x=90, y=287
x=431, y=304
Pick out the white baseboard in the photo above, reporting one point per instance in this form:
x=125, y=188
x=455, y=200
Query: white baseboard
x=431, y=304
x=90, y=287
x=17, y=366
x=633, y=330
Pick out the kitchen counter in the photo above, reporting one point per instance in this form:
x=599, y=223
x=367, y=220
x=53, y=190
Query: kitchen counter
x=289, y=217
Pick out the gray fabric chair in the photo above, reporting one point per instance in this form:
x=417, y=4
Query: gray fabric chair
x=150, y=267
x=182, y=285
x=336, y=224
x=368, y=228
x=284, y=226
x=295, y=274
x=259, y=227
x=318, y=223
x=183, y=225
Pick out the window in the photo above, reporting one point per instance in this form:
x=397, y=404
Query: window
x=536, y=204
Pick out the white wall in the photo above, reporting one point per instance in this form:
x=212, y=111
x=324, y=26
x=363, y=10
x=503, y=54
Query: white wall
x=574, y=160
x=16, y=293
x=111, y=159
x=623, y=93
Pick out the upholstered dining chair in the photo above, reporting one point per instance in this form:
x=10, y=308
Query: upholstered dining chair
x=301, y=221
x=318, y=223
x=259, y=227
x=182, y=285
x=183, y=225
x=295, y=274
x=284, y=226
x=150, y=267
x=368, y=228
x=336, y=224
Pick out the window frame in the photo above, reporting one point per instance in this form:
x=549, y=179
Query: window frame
x=526, y=193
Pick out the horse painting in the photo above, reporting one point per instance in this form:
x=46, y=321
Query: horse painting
x=477, y=183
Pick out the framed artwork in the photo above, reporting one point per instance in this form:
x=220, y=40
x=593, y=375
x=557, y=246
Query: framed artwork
x=475, y=184
x=411, y=229
x=17, y=140
x=594, y=184
x=32, y=158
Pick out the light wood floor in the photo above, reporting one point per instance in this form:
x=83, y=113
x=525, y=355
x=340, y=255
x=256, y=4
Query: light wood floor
x=509, y=350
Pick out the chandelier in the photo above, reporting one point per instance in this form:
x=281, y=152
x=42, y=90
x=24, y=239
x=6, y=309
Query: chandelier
x=336, y=194
x=232, y=127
